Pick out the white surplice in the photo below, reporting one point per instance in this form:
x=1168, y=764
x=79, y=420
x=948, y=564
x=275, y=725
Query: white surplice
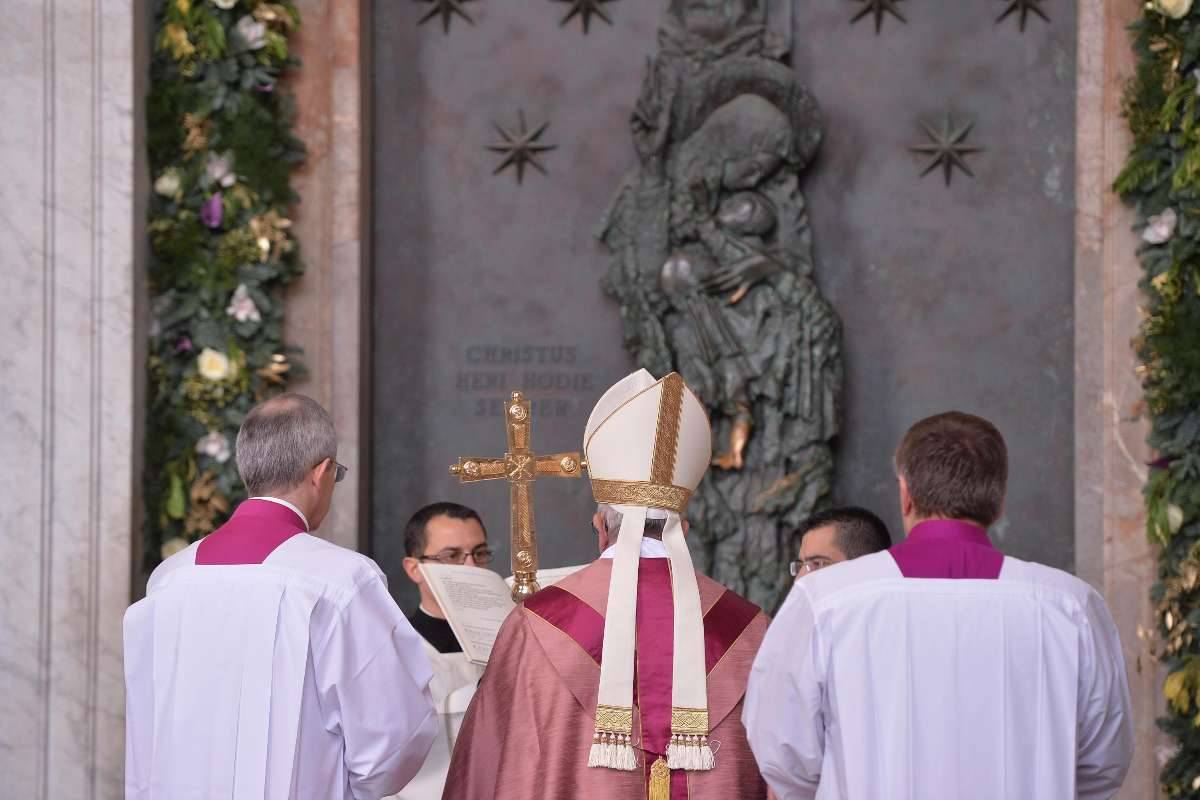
x=873, y=685
x=454, y=680
x=295, y=678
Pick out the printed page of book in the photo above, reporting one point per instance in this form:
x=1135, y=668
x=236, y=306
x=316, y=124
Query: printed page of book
x=476, y=602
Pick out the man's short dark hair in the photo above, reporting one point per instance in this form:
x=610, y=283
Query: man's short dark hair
x=415, y=535
x=955, y=466
x=858, y=531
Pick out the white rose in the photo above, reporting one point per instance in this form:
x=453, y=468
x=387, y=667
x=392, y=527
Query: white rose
x=225, y=4
x=214, y=365
x=1175, y=9
x=172, y=546
x=168, y=183
x=253, y=32
x=215, y=445
x=241, y=306
x=219, y=169
x=1174, y=517
x=1160, y=227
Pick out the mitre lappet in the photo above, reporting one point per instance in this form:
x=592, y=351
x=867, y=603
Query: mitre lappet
x=648, y=443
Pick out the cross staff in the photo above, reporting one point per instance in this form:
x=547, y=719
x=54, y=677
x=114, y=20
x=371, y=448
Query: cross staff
x=520, y=467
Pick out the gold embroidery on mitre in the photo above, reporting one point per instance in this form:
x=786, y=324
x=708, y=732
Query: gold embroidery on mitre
x=666, y=434
x=640, y=493
x=588, y=442
x=614, y=719
x=689, y=721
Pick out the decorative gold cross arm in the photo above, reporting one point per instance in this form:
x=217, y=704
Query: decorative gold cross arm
x=520, y=467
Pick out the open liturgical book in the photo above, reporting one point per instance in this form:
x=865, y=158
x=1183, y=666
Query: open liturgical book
x=476, y=602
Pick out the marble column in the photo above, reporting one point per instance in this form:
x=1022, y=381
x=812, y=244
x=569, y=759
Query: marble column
x=71, y=360
x=1112, y=551
x=328, y=314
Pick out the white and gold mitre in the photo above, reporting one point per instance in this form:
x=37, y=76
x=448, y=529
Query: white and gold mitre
x=648, y=443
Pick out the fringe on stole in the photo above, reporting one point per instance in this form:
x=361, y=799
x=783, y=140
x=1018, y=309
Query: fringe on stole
x=612, y=750
x=689, y=752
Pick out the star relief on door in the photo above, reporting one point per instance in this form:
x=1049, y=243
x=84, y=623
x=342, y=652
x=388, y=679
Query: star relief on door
x=447, y=10
x=585, y=10
x=878, y=8
x=1022, y=8
x=521, y=147
x=947, y=146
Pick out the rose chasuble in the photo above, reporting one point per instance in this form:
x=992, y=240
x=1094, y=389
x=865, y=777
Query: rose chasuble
x=626, y=679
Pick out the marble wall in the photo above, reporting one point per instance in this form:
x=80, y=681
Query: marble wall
x=1111, y=548
x=70, y=359
x=327, y=314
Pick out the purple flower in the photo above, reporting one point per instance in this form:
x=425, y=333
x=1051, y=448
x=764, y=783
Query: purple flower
x=183, y=345
x=213, y=211
x=265, y=88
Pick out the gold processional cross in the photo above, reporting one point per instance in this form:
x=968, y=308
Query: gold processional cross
x=520, y=467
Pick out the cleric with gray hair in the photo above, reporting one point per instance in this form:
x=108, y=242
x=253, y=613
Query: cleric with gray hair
x=281, y=441
x=262, y=650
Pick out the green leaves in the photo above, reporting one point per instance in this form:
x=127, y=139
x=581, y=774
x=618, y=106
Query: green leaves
x=1158, y=492
x=1188, y=170
x=212, y=36
x=213, y=101
x=1139, y=174
x=1163, y=172
x=176, y=504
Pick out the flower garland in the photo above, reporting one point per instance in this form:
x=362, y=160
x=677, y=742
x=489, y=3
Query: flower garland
x=221, y=153
x=1161, y=180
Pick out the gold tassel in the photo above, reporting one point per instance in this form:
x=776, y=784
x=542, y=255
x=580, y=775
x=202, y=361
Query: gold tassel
x=660, y=780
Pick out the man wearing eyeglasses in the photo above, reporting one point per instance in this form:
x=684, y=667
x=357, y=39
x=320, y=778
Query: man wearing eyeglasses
x=442, y=533
x=266, y=662
x=836, y=535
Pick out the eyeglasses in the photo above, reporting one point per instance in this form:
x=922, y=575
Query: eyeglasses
x=340, y=470
x=452, y=555
x=804, y=566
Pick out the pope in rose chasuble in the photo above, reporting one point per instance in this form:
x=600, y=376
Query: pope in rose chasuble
x=626, y=678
